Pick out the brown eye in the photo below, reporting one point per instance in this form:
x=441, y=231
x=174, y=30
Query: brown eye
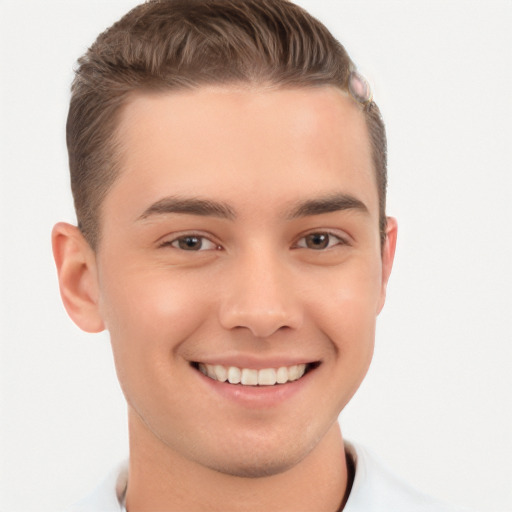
x=319, y=241
x=192, y=243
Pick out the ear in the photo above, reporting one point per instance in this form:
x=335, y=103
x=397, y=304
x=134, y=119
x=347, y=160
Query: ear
x=78, y=279
x=388, y=256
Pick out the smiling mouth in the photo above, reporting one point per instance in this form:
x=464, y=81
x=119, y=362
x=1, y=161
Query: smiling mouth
x=252, y=377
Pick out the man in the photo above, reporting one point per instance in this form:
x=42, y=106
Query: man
x=228, y=166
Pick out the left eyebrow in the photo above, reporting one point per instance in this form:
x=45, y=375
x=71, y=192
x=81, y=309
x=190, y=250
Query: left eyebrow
x=328, y=204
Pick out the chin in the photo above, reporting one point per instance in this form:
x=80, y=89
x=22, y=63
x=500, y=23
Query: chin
x=260, y=459
x=255, y=468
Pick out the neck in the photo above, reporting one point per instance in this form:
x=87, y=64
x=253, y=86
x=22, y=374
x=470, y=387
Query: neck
x=161, y=479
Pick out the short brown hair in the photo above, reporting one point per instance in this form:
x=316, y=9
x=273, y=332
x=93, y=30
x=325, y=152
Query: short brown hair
x=167, y=45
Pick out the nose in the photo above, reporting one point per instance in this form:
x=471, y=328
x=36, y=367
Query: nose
x=260, y=296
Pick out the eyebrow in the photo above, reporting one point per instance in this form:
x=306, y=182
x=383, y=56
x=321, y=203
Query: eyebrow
x=209, y=208
x=193, y=206
x=328, y=204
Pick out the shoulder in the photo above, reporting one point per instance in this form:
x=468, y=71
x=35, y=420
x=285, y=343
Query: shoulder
x=107, y=496
x=377, y=489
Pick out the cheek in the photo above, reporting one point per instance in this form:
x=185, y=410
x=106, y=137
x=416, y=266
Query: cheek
x=150, y=312
x=346, y=311
x=149, y=316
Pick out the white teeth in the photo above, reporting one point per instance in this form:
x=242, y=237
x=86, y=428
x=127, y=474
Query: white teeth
x=221, y=373
x=234, y=375
x=210, y=371
x=267, y=377
x=282, y=375
x=296, y=372
x=293, y=373
x=251, y=377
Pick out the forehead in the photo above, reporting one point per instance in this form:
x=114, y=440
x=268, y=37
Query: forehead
x=243, y=144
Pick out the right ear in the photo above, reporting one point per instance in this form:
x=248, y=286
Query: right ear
x=78, y=277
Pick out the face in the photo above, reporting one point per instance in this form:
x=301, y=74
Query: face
x=241, y=242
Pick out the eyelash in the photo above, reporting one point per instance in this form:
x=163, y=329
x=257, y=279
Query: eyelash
x=330, y=236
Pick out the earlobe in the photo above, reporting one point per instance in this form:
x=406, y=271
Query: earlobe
x=78, y=282
x=388, y=256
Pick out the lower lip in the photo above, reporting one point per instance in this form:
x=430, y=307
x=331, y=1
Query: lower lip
x=257, y=396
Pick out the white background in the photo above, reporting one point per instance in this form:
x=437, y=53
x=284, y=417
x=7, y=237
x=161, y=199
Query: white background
x=437, y=403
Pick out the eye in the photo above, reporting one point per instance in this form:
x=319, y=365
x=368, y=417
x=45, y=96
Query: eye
x=191, y=243
x=320, y=241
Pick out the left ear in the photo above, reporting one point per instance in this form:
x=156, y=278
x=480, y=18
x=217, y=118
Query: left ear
x=388, y=255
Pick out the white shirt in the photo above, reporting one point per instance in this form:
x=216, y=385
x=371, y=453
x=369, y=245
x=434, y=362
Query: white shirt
x=375, y=489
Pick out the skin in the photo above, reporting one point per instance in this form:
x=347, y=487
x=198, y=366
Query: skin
x=258, y=291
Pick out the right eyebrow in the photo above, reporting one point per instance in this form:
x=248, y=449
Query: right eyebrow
x=190, y=205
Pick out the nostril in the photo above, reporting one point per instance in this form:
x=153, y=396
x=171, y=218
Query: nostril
x=262, y=323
